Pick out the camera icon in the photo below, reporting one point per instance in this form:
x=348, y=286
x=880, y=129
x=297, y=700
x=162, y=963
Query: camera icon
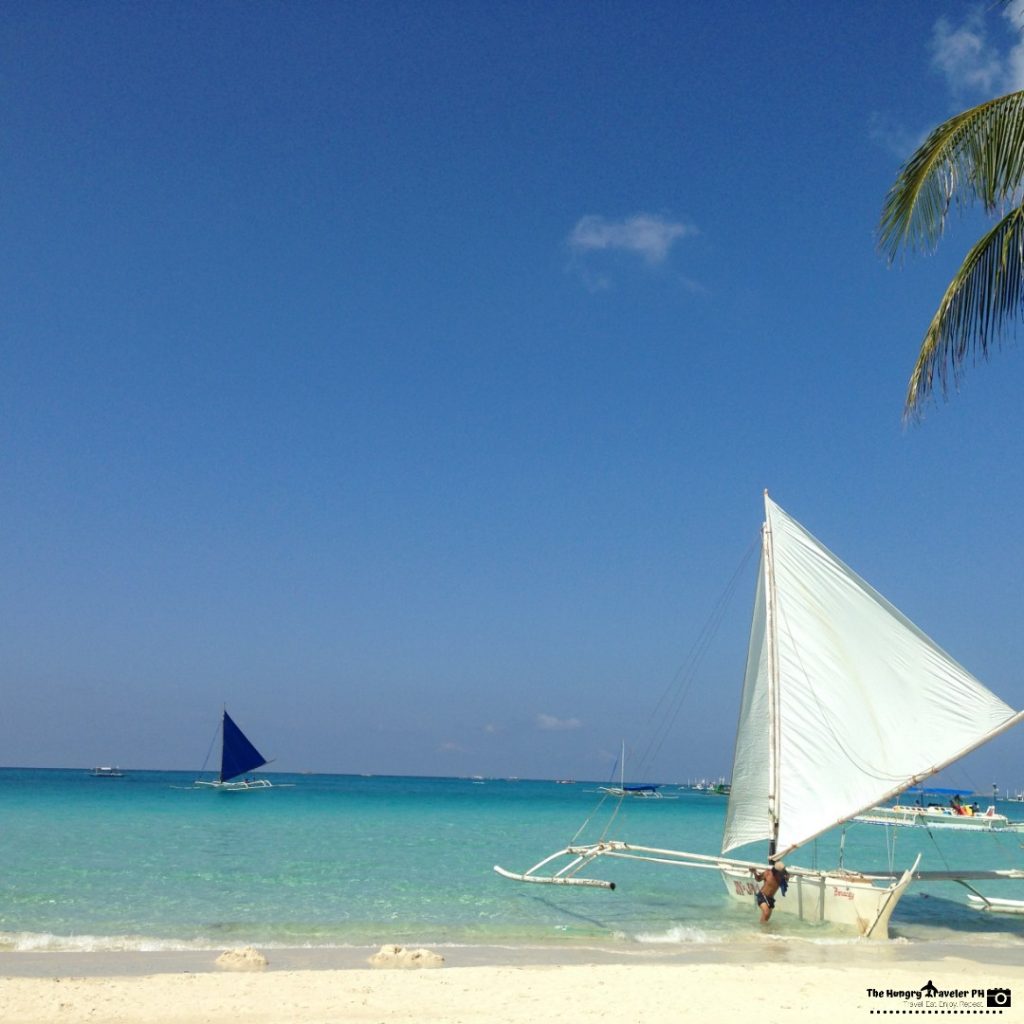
x=997, y=997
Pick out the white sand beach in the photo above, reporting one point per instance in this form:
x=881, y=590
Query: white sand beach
x=765, y=992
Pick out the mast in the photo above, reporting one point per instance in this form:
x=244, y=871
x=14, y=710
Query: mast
x=773, y=680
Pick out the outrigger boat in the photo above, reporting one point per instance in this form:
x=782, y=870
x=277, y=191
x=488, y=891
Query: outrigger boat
x=237, y=757
x=645, y=792
x=845, y=705
x=933, y=816
x=636, y=791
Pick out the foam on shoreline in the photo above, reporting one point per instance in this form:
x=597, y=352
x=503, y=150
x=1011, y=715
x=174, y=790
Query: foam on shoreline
x=757, y=947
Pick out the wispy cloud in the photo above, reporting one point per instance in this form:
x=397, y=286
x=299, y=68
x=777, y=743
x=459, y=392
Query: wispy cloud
x=974, y=65
x=1014, y=14
x=963, y=54
x=645, y=234
x=551, y=723
x=976, y=59
x=893, y=136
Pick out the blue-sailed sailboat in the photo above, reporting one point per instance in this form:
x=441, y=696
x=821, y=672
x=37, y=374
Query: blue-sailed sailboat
x=237, y=757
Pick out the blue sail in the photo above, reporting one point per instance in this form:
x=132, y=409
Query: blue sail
x=238, y=755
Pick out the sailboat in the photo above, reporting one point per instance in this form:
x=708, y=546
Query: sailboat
x=639, y=791
x=237, y=757
x=845, y=704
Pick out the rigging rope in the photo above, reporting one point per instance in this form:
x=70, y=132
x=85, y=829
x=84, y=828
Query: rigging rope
x=669, y=705
x=209, y=750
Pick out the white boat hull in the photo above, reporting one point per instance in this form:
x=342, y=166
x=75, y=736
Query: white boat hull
x=939, y=817
x=840, y=898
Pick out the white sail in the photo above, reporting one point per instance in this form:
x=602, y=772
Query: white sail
x=867, y=703
x=748, y=817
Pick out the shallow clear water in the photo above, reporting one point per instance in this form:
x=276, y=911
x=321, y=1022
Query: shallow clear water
x=145, y=862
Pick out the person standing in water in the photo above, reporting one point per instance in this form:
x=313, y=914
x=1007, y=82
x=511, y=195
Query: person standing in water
x=773, y=879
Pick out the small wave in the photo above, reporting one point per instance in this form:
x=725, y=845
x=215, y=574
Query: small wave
x=43, y=942
x=680, y=934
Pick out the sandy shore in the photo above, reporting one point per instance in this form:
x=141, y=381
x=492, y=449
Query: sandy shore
x=669, y=991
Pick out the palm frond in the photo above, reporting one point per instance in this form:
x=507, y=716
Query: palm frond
x=985, y=293
x=978, y=155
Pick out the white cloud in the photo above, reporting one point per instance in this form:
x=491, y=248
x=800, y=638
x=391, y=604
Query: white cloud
x=971, y=62
x=551, y=723
x=977, y=59
x=965, y=57
x=894, y=137
x=645, y=234
x=1014, y=14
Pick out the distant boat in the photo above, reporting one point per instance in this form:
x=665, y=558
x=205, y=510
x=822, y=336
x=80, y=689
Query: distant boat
x=106, y=771
x=638, y=791
x=641, y=792
x=237, y=757
x=933, y=816
x=929, y=811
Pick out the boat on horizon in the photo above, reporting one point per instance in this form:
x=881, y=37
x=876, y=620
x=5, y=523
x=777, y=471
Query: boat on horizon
x=238, y=757
x=640, y=792
x=106, y=771
x=845, y=704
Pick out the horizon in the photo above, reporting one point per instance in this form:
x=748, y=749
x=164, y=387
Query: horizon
x=1009, y=794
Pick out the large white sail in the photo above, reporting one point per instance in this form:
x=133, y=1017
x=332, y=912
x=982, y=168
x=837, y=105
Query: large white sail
x=867, y=703
x=748, y=817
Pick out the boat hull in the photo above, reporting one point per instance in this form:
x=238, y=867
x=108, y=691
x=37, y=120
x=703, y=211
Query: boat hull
x=938, y=817
x=839, y=898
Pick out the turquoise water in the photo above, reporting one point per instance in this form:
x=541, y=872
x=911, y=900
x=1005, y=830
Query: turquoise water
x=145, y=862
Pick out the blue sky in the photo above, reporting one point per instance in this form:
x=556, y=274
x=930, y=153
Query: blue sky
x=407, y=376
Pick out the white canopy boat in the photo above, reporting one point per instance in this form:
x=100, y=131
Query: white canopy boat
x=845, y=704
x=933, y=816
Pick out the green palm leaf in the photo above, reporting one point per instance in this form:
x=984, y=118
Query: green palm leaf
x=985, y=293
x=976, y=155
